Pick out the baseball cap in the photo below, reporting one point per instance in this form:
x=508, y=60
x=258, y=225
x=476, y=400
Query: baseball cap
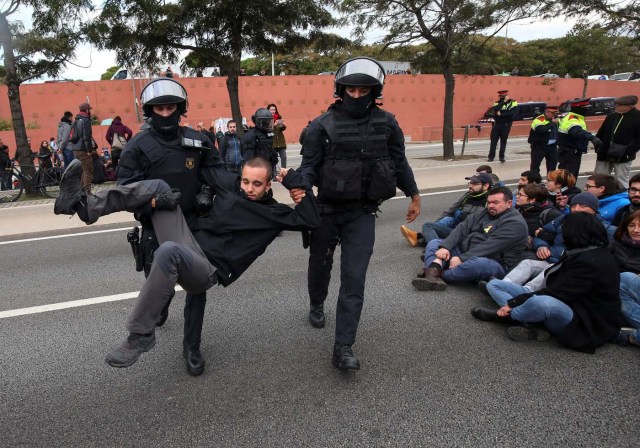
x=482, y=178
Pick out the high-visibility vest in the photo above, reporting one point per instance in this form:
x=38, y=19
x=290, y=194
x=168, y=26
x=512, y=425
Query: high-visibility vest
x=570, y=120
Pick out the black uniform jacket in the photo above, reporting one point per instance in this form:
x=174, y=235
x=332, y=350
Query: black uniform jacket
x=237, y=231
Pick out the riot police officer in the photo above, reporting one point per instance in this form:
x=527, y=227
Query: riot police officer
x=258, y=141
x=354, y=154
x=167, y=151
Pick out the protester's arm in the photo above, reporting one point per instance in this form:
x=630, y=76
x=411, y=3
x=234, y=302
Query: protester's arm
x=128, y=133
x=109, y=136
x=458, y=234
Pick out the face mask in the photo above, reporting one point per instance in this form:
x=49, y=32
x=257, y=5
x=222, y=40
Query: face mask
x=166, y=125
x=357, y=107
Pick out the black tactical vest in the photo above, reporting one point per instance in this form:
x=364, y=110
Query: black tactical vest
x=176, y=161
x=358, y=166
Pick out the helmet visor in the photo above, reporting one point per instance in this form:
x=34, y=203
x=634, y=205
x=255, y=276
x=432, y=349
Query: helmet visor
x=360, y=72
x=163, y=91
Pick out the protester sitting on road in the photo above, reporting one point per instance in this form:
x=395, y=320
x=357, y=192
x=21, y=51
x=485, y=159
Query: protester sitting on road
x=470, y=202
x=579, y=302
x=244, y=221
x=548, y=246
x=488, y=170
x=485, y=245
x=533, y=204
x=561, y=185
x=634, y=201
x=610, y=194
x=625, y=247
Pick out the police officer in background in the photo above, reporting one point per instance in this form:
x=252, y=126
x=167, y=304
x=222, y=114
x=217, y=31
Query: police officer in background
x=167, y=151
x=354, y=154
x=543, y=138
x=573, y=137
x=258, y=141
x=502, y=112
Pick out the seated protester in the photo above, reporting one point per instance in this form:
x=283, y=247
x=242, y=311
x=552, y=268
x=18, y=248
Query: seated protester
x=532, y=201
x=530, y=177
x=609, y=192
x=634, y=201
x=99, y=170
x=485, y=245
x=561, y=186
x=488, y=170
x=245, y=220
x=472, y=201
x=625, y=248
x=548, y=246
x=579, y=302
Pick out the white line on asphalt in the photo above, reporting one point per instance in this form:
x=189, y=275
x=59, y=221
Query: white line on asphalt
x=71, y=304
x=41, y=238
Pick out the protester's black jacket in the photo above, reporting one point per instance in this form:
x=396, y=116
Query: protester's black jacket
x=628, y=133
x=238, y=231
x=627, y=255
x=587, y=282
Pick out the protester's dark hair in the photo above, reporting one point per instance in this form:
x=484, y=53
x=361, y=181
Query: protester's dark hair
x=117, y=117
x=610, y=184
x=562, y=177
x=536, y=192
x=277, y=111
x=231, y=122
x=582, y=230
x=634, y=179
x=486, y=168
x=532, y=176
x=260, y=162
x=508, y=194
x=622, y=228
x=67, y=114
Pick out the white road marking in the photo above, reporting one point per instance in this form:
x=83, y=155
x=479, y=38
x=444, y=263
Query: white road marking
x=41, y=238
x=72, y=304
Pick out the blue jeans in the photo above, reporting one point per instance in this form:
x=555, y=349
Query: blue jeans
x=553, y=313
x=630, y=297
x=472, y=270
x=439, y=229
x=68, y=157
x=501, y=291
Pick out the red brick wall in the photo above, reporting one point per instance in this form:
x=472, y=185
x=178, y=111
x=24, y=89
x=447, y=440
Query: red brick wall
x=417, y=101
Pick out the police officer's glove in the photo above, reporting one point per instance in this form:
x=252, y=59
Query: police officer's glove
x=169, y=200
x=306, y=239
x=204, y=200
x=597, y=143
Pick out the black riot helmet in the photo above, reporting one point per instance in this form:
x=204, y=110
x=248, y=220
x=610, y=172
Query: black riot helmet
x=163, y=91
x=360, y=71
x=263, y=119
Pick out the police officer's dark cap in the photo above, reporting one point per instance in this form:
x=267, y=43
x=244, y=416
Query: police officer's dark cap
x=627, y=100
x=482, y=178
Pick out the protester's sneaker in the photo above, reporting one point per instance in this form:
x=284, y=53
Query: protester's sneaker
x=430, y=282
x=344, y=359
x=523, y=334
x=70, y=189
x=169, y=200
x=410, y=235
x=131, y=349
x=491, y=315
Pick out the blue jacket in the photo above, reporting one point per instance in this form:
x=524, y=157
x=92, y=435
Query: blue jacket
x=231, y=149
x=610, y=204
x=551, y=237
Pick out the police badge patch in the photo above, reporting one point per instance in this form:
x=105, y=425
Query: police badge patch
x=190, y=163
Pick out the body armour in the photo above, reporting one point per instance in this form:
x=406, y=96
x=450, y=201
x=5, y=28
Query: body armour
x=259, y=143
x=176, y=161
x=358, y=166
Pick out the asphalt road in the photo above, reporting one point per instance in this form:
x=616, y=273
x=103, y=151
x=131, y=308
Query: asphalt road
x=431, y=374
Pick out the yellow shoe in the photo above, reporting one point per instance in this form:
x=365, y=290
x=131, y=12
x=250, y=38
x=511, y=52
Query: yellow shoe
x=410, y=235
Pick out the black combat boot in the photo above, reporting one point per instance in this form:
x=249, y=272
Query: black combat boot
x=194, y=361
x=316, y=315
x=344, y=359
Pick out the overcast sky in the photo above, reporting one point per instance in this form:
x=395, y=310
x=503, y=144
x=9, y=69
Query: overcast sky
x=91, y=63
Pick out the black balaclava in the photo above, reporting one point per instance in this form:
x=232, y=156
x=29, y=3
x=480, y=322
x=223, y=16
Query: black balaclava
x=167, y=126
x=357, y=107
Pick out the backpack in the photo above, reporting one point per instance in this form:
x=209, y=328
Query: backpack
x=74, y=135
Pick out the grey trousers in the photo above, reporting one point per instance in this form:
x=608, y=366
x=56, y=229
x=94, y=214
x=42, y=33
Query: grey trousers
x=178, y=260
x=622, y=171
x=529, y=273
